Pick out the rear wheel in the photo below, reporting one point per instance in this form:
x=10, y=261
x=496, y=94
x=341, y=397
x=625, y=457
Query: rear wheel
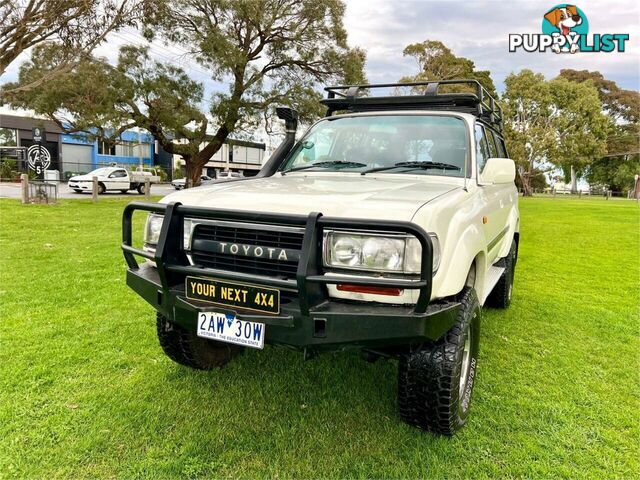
x=435, y=381
x=186, y=348
x=500, y=296
x=141, y=189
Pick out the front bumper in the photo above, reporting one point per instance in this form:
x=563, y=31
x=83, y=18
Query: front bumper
x=309, y=319
x=333, y=324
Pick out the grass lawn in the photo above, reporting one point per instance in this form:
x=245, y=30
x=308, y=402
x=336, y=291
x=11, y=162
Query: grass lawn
x=86, y=392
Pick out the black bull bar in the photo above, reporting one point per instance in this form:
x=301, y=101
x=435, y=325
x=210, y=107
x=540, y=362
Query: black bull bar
x=311, y=279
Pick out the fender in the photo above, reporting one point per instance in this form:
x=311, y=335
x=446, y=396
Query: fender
x=469, y=247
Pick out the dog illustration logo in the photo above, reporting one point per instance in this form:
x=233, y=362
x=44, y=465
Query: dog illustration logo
x=565, y=29
x=565, y=20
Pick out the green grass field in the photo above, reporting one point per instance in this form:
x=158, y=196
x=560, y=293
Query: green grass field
x=85, y=391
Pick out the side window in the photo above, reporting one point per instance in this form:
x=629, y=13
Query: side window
x=482, y=149
x=118, y=174
x=502, y=151
x=493, y=150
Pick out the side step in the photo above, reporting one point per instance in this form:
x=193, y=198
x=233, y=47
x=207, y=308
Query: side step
x=493, y=275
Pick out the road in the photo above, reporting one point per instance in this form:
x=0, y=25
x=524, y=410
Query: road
x=12, y=190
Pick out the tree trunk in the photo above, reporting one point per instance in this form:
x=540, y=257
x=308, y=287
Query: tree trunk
x=196, y=164
x=192, y=173
x=574, y=180
x=526, y=182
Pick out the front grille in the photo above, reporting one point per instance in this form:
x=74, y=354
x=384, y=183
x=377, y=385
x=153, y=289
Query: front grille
x=267, y=237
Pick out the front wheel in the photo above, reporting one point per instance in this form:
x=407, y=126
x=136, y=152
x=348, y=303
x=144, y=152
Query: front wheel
x=101, y=189
x=186, y=348
x=435, y=380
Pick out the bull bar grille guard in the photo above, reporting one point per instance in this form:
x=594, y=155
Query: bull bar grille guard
x=172, y=263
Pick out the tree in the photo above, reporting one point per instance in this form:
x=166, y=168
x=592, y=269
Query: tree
x=581, y=128
x=77, y=26
x=437, y=62
x=529, y=132
x=617, y=169
x=269, y=51
x=620, y=104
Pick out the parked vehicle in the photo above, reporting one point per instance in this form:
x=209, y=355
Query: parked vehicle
x=179, y=183
x=113, y=178
x=386, y=228
x=228, y=175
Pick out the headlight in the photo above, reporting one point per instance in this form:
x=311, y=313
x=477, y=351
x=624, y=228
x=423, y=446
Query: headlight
x=379, y=253
x=188, y=228
x=152, y=229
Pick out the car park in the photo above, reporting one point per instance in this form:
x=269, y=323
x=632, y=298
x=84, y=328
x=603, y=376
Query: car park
x=386, y=228
x=113, y=179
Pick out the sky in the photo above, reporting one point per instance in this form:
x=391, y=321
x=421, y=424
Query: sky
x=478, y=30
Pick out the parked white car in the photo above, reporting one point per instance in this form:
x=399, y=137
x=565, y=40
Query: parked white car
x=112, y=179
x=384, y=229
x=179, y=183
x=228, y=175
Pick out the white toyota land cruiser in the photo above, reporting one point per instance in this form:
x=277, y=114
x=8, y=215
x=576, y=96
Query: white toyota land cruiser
x=385, y=228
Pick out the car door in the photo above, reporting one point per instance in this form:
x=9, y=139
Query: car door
x=118, y=180
x=495, y=210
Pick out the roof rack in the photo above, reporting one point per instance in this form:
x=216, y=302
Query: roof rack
x=478, y=102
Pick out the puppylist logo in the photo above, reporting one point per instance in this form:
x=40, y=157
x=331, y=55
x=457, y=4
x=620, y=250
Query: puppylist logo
x=565, y=29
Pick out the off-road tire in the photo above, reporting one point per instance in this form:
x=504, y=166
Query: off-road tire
x=101, y=189
x=500, y=296
x=429, y=383
x=186, y=348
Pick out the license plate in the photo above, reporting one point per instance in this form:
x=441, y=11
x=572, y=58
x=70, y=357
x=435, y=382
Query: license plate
x=232, y=294
x=225, y=327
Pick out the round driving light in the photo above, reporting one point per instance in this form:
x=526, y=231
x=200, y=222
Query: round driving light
x=346, y=251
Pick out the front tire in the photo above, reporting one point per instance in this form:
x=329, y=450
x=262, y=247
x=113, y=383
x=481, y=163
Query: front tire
x=435, y=380
x=186, y=348
x=500, y=296
x=101, y=189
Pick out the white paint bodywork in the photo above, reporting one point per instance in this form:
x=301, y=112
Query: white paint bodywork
x=451, y=207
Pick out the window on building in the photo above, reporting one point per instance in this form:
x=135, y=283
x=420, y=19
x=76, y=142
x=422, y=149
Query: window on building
x=8, y=137
x=106, y=149
x=126, y=149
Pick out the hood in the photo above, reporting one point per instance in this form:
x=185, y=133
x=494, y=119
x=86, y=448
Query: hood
x=388, y=197
x=80, y=178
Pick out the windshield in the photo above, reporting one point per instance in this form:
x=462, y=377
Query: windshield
x=416, y=144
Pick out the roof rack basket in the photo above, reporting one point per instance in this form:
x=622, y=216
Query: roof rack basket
x=470, y=97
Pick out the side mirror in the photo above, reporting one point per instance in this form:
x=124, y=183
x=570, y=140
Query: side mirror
x=498, y=170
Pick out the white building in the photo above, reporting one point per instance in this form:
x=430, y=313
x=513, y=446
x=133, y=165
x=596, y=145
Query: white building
x=235, y=155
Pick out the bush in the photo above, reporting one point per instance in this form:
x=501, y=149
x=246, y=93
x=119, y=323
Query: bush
x=7, y=168
x=177, y=173
x=162, y=173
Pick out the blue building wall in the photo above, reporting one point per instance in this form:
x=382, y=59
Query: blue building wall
x=98, y=159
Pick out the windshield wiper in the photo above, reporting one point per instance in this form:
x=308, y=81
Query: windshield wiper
x=410, y=165
x=329, y=163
